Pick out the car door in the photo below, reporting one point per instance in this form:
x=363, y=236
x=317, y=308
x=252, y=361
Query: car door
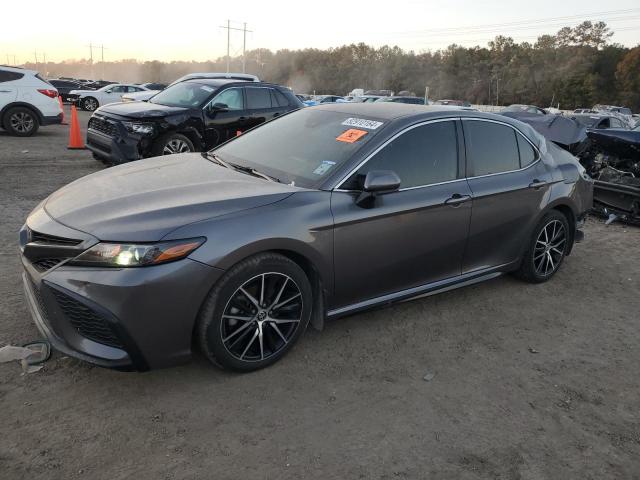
x=508, y=185
x=410, y=237
x=8, y=89
x=113, y=94
x=225, y=116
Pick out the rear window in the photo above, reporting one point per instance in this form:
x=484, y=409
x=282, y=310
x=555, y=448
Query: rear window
x=303, y=147
x=184, y=94
x=6, y=76
x=491, y=147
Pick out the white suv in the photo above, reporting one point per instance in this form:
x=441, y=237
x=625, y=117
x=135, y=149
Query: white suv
x=26, y=101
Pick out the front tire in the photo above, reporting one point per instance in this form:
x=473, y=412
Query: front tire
x=172, y=143
x=90, y=104
x=21, y=122
x=255, y=314
x=548, y=246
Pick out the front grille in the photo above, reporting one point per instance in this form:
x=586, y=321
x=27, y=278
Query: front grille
x=45, y=264
x=87, y=322
x=38, y=237
x=102, y=126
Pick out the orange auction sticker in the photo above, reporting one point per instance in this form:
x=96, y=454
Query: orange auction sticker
x=351, y=135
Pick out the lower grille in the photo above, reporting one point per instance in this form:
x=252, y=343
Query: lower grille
x=45, y=264
x=87, y=322
x=36, y=293
x=102, y=126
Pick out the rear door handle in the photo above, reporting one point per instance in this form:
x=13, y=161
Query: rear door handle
x=277, y=114
x=456, y=200
x=537, y=184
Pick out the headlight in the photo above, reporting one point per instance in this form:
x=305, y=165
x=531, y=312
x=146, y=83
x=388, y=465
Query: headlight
x=141, y=128
x=136, y=255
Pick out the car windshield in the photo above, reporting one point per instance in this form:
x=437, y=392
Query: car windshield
x=303, y=147
x=184, y=94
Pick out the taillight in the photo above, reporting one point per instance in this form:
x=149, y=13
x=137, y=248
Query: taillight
x=48, y=93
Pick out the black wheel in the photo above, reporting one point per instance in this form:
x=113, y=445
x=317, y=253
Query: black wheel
x=89, y=104
x=171, y=143
x=547, y=249
x=21, y=121
x=255, y=313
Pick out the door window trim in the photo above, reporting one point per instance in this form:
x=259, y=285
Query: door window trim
x=395, y=136
x=517, y=132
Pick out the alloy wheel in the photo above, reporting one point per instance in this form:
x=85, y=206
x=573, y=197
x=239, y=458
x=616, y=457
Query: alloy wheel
x=21, y=122
x=175, y=146
x=261, y=317
x=550, y=247
x=90, y=104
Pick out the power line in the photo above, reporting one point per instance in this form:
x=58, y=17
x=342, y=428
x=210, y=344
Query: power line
x=244, y=31
x=518, y=22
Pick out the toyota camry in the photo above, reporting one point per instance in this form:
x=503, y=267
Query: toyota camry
x=321, y=213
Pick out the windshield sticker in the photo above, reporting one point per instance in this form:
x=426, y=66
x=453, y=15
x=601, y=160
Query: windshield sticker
x=351, y=135
x=206, y=88
x=362, y=123
x=324, y=167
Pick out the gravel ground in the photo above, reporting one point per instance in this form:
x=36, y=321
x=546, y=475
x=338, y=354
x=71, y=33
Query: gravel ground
x=526, y=381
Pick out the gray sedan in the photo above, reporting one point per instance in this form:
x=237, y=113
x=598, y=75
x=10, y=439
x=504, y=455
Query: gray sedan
x=319, y=214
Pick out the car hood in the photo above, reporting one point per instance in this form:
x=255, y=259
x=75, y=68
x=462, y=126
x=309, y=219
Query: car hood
x=141, y=109
x=145, y=200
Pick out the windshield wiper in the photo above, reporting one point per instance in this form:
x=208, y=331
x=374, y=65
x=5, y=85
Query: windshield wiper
x=240, y=168
x=217, y=159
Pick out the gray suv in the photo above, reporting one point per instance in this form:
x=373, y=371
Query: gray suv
x=324, y=212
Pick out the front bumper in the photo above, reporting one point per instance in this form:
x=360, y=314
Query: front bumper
x=112, y=141
x=124, y=318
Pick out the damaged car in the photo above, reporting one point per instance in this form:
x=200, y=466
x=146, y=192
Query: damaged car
x=190, y=116
x=609, y=152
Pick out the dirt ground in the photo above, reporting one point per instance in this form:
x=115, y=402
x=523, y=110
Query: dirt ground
x=529, y=381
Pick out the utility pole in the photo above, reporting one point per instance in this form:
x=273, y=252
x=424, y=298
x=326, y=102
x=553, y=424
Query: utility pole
x=90, y=52
x=102, y=48
x=497, y=91
x=244, y=43
x=35, y=55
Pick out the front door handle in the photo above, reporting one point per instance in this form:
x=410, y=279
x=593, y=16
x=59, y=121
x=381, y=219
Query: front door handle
x=277, y=114
x=456, y=200
x=537, y=184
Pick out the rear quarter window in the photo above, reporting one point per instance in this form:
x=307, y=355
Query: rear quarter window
x=6, y=76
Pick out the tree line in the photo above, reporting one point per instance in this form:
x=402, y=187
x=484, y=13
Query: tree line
x=576, y=67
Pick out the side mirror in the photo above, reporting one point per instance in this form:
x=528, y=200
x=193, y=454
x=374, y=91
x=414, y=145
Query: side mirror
x=377, y=182
x=216, y=108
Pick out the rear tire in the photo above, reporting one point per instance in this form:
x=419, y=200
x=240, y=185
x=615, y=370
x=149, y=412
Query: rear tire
x=255, y=314
x=21, y=122
x=547, y=248
x=172, y=143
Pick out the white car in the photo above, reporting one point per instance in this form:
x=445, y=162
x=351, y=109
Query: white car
x=26, y=101
x=92, y=99
x=139, y=96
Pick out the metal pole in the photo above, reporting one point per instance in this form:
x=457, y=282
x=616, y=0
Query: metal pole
x=497, y=91
x=244, y=47
x=228, y=41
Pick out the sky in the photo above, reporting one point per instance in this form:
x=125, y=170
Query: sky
x=191, y=29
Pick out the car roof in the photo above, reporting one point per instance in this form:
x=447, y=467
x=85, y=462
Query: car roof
x=218, y=82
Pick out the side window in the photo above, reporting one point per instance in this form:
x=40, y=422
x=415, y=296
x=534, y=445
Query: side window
x=422, y=156
x=615, y=123
x=278, y=99
x=119, y=89
x=258, y=98
x=604, y=123
x=6, y=76
x=231, y=97
x=527, y=152
x=491, y=147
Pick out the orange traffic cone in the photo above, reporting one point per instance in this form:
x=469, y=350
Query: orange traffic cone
x=75, y=136
x=64, y=120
